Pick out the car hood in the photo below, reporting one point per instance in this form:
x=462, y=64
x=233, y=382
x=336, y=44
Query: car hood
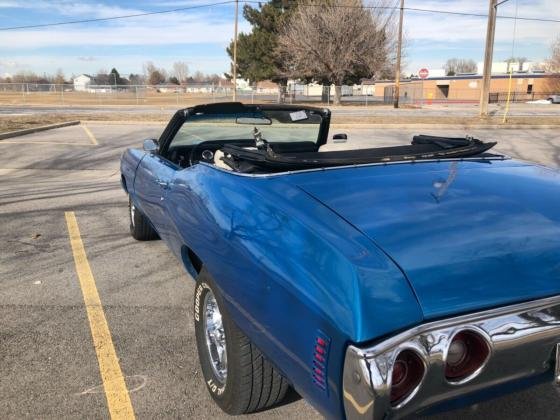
x=467, y=235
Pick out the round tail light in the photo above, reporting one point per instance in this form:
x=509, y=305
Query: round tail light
x=466, y=354
x=408, y=371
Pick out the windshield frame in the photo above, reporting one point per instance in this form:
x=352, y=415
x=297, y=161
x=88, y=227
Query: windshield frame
x=182, y=116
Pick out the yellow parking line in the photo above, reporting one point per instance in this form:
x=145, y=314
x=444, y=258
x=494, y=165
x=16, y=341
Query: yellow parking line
x=90, y=135
x=118, y=400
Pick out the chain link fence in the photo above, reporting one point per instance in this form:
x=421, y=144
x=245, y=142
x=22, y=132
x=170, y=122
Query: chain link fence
x=188, y=95
x=172, y=95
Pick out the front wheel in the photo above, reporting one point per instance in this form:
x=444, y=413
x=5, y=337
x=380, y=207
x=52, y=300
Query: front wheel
x=238, y=376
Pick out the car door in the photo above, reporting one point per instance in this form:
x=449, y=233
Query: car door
x=154, y=177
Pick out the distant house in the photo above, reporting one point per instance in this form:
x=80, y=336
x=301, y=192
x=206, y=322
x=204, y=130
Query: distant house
x=296, y=87
x=267, y=86
x=242, y=84
x=367, y=87
x=202, y=87
x=102, y=83
x=166, y=88
x=82, y=82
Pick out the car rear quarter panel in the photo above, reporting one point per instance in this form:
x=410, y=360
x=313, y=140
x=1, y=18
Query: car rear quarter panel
x=289, y=269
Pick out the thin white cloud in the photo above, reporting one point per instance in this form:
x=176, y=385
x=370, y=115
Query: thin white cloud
x=71, y=8
x=452, y=28
x=460, y=35
x=171, y=29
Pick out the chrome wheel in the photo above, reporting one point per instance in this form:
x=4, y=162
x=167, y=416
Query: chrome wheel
x=132, y=211
x=215, y=336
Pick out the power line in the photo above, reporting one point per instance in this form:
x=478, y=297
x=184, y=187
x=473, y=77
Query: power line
x=422, y=10
x=158, y=12
x=201, y=6
x=446, y=12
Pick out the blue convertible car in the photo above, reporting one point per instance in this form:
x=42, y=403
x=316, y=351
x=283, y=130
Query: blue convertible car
x=378, y=282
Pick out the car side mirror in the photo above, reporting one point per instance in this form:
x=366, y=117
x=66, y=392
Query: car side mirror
x=340, y=138
x=150, y=146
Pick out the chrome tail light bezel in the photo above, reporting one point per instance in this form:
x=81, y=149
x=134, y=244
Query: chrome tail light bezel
x=509, y=332
x=485, y=339
x=412, y=392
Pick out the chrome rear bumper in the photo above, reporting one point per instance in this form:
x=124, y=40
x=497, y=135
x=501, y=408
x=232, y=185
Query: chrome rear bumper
x=524, y=341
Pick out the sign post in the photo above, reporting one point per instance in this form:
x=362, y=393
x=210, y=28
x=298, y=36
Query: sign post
x=423, y=73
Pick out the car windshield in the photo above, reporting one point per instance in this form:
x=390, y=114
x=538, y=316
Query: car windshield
x=276, y=126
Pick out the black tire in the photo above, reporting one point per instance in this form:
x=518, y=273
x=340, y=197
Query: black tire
x=251, y=382
x=140, y=227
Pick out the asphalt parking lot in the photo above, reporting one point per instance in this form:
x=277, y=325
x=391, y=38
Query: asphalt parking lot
x=48, y=364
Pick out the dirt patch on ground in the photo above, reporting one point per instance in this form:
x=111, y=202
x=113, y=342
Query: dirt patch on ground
x=9, y=123
x=12, y=123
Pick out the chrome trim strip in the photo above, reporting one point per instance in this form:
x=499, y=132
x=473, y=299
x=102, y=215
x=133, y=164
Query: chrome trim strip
x=469, y=318
x=524, y=341
x=330, y=168
x=557, y=368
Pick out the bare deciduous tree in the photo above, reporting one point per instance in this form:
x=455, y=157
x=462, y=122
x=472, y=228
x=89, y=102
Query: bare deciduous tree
x=59, y=77
x=553, y=63
x=199, y=77
x=148, y=68
x=338, y=41
x=515, y=60
x=459, y=65
x=156, y=77
x=180, y=71
x=153, y=74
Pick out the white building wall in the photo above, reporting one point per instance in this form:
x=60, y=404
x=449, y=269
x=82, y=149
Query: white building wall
x=81, y=83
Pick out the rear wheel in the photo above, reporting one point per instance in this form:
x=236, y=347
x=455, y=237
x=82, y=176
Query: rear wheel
x=238, y=376
x=140, y=227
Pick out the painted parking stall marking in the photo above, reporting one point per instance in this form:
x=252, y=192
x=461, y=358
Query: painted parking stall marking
x=90, y=135
x=118, y=398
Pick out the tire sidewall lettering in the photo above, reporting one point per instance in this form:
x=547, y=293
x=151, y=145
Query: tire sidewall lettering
x=213, y=385
x=197, y=297
x=215, y=388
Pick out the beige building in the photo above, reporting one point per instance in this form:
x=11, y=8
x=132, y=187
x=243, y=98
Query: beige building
x=524, y=87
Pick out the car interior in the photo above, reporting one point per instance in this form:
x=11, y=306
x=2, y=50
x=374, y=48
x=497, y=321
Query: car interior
x=276, y=138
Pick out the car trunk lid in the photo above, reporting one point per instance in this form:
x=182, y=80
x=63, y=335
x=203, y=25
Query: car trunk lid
x=468, y=235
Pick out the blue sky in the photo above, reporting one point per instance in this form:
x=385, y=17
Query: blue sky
x=199, y=36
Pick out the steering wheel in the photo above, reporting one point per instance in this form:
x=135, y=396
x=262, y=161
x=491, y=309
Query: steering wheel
x=207, y=155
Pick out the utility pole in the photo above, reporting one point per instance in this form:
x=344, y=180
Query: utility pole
x=488, y=55
x=235, y=53
x=399, y=52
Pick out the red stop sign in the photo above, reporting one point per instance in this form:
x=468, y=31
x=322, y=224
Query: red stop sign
x=423, y=73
